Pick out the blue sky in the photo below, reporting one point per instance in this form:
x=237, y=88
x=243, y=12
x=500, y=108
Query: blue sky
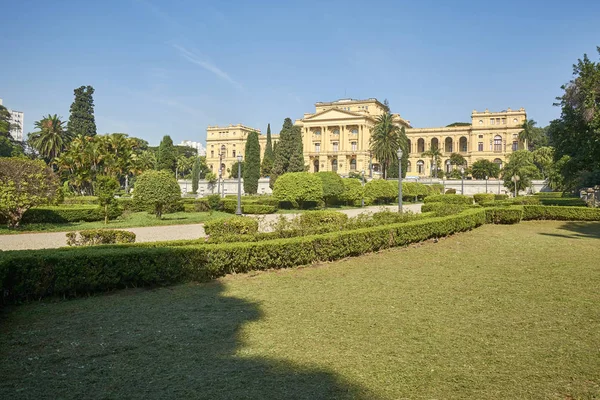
x=175, y=67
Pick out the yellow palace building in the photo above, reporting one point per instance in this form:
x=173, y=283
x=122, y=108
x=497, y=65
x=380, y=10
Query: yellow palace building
x=336, y=138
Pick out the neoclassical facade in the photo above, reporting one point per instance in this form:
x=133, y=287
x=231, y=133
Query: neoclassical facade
x=336, y=138
x=225, y=143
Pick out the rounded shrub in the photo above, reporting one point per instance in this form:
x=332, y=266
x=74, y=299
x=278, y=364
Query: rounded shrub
x=298, y=189
x=157, y=190
x=315, y=220
x=353, y=191
x=333, y=186
x=231, y=226
x=483, y=197
x=451, y=191
x=380, y=191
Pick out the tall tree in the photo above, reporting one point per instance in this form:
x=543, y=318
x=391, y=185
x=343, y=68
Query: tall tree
x=165, y=157
x=386, y=139
x=297, y=157
x=576, y=133
x=529, y=133
x=252, y=164
x=520, y=163
x=484, y=168
x=81, y=120
x=283, y=151
x=50, y=139
x=393, y=170
x=268, y=156
x=196, y=171
x=5, y=125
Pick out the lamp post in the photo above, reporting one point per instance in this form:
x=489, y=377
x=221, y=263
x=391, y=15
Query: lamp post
x=462, y=180
x=399, y=153
x=362, y=200
x=515, y=179
x=486, y=180
x=239, y=202
x=220, y=171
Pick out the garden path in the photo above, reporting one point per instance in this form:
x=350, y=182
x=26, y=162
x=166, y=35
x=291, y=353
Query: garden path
x=48, y=240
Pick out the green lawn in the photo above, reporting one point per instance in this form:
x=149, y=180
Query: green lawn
x=501, y=312
x=127, y=220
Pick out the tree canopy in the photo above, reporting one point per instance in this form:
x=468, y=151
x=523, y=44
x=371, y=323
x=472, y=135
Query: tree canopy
x=482, y=169
x=268, y=156
x=82, y=120
x=157, y=190
x=252, y=164
x=166, y=158
x=289, y=156
x=386, y=139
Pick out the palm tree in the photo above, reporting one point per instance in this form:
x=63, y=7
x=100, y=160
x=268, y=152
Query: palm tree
x=529, y=132
x=386, y=139
x=51, y=138
x=436, y=154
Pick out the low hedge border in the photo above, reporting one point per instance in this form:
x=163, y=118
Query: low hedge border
x=61, y=215
x=560, y=213
x=504, y=215
x=449, y=199
x=93, y=237
x=28, y=275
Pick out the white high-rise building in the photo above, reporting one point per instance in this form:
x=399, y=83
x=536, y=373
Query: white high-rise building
x=195, y=145
x=17, y=119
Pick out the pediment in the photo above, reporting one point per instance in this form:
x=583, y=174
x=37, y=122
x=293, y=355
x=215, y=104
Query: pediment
x=334, y=113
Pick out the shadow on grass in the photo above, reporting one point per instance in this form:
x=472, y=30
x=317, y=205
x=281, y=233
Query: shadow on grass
x=578, y=230
x=178, y=343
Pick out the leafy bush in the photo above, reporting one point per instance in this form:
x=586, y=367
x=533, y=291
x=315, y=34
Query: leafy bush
x=445, y=209
x=214, y=202
x=333, y=186
x=561, y=213
x=61, y=215
x=157, y=190
x=87, y=200
x=504, y=215
x=521, y=200
x=438, y=206
x=437, y=188
x=450, y=191
x=99, y=236
x=24, y=184
x=353, y=191
x=414, y=190
x=483, y=197
x=79, y=271
x=387, y=217
x=298, y=188
x=500, y=197
x=312, y=220
x=551, y=194
x=231, y=226
x=562, y=201
x=449, y=199
x=230, y=206
x=380, y=191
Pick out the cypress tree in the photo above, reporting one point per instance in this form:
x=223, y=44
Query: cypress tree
x=252, y=164
x=195, y=175
x=297, y=156
x=269, y=156
x=81, y=120
x=165, y=156
x=283, y=152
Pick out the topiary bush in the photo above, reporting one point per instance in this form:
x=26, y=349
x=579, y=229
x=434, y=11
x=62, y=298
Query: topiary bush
x=94, y=237
x=333, y=186
x=353, y=191
x=562, y=201
x=87, y=200
x=298, y=188
x=449, y=199
x=62, y=215
x=231, y=226
x=380, y=191
x=504, y=215
x=445, y=209
x=536, y=212
x=483, y=197
x=157, y=190
x=500, y=197
x=312, y=221
x=450, y=191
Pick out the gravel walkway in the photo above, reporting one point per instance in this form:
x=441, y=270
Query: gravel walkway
x=154, y=233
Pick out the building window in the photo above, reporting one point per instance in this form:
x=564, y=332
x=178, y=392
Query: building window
x=480, y=136
x=354, y=146
x=420, y=167
x=335, y=146
x=498, y=144
x=316, y=166
x=233, y=153
x=515, y=120
x=492, y=121
x=462, y=144
x=317, y=147
x=515, y=146
x=212, y=153
x=497, y=121
x=353, y=164
x=336, y=131
x=480, y=122
x=480, y=146
x=354, y=131
x=318, y=132
x=498, y=162
x=503, y=121
x=334, y=165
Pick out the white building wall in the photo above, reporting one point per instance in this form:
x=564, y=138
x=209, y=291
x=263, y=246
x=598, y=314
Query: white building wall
x=195, y=145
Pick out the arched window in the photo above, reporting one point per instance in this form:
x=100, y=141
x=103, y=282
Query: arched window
x=353, y=164
x=498, y=162
x=448, y=145
x=409, y=145
x=420, y=167
x=435, y=143
x=316, y=166
x=334, y=165
x=515, y=145
x=408, y=167
x=498, y=144
x=462, y=144
x=421, y=145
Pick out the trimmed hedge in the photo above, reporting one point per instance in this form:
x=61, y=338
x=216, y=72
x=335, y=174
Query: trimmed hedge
x=230, y=206
x=522, y=200
x=560, y=213
x=61, y=215
x=504, y=215
x=562, y=201
x=449, y=199
x=94, y=237
x=89, y=200
x=500, y=197
x=315, y=219
x=483, y=197
x=29, y=275
x=231, y=226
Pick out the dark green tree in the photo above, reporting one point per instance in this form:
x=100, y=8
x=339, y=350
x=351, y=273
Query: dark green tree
x=297, y=158
x=105, y=188
x=333, y=186
x=196, y=171
x=50, y=139
x=5, y=124
x=386, y=138
x=482, y=168
x=233, y=172
x=283, y=152
x=520, y=163
x=393, y=170
x=576, y=133
x=166, y=158
x=268, y=156
x=457, y=159
x=156, y=190
x=81, y=120
x=252, y=164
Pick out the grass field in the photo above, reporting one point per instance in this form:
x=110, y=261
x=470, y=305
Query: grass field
x=501, y=312
x=127, y=220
